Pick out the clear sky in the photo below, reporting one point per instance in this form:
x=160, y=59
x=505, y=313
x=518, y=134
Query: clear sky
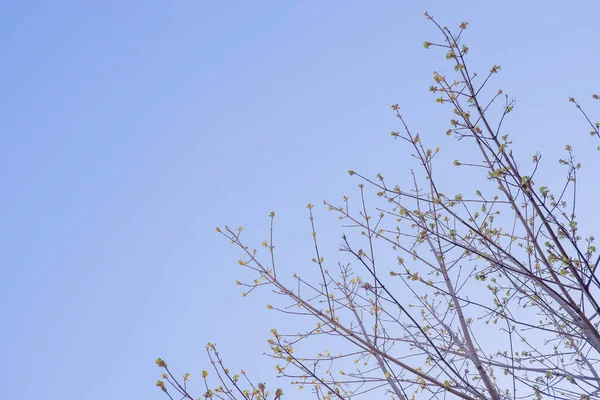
x=130, y=129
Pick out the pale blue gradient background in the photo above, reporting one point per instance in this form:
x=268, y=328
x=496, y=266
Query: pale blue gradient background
x=131, y=129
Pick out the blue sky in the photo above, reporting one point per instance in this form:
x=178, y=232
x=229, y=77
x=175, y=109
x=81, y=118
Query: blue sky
x=131, y=129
